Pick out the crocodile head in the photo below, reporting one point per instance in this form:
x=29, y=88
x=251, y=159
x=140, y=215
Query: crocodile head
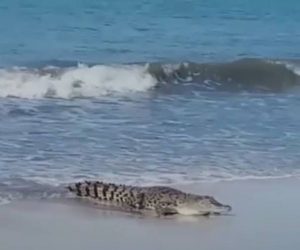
x=200, y=205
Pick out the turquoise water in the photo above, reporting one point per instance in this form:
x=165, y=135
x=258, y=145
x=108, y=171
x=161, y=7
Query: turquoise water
x=147, y=92
x=142, y=31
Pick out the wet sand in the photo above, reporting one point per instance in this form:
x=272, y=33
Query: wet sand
x=266, y=215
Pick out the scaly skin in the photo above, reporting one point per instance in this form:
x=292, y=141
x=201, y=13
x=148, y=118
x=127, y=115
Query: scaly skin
x=162, y=200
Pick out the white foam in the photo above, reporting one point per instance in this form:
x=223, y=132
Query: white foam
x=4, y=201
x=81, y=81
x=154, y=178
x=294, y=66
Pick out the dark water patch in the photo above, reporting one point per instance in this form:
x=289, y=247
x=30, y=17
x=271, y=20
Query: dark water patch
x=22, y=112
x=242, y=75
x=21, y=189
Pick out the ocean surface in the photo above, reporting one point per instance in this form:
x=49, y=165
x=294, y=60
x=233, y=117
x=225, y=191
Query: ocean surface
x=147, y=92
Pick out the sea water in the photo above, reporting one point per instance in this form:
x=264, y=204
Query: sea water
x=147, y=92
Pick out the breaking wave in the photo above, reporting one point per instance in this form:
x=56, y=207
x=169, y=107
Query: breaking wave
x=79, y=81
x=83, y=80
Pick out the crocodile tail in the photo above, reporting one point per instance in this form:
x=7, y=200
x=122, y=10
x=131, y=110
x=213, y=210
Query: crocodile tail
x=81, y=188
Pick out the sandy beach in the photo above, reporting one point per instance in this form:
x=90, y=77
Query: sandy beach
x=266, y=215
x=202, y=96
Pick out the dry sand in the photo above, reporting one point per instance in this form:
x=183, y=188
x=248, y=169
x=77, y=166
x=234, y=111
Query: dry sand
x=266, y=216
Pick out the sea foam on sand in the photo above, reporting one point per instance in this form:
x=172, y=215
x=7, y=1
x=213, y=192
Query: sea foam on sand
x=266, y=216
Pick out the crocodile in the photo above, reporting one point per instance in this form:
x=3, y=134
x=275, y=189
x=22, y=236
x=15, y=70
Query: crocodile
x=162, y=200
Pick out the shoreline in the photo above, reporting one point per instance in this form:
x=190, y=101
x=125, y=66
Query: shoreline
x=265, y=215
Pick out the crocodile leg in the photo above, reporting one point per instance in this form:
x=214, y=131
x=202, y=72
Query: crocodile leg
x=164, y=211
